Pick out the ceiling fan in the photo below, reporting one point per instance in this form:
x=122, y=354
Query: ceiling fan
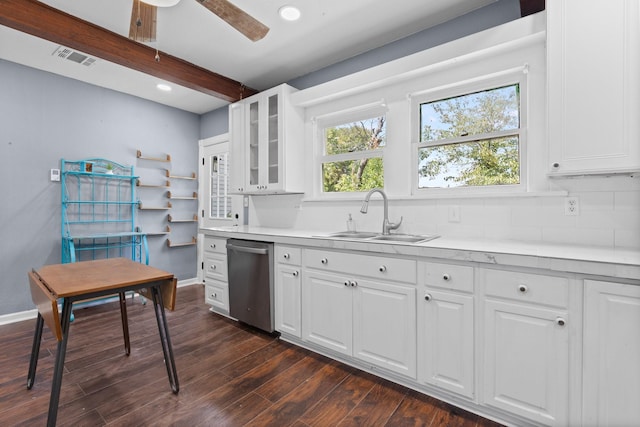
x=143, y=18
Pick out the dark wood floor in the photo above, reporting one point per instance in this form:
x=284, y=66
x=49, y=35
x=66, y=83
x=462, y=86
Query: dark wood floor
x=229, y=375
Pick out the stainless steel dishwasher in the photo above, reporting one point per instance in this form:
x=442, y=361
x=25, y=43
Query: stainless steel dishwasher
x=251, y=282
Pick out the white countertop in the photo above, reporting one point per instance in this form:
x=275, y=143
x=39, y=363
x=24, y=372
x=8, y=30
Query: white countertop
x=579, y=259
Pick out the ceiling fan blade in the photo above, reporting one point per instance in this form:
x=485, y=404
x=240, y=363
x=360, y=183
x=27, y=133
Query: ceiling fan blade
x=249, y=26
x=143, y=22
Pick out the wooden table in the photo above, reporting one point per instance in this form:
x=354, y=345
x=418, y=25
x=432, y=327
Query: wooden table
x=90, y=279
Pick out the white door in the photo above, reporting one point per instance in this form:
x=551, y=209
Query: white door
x=384, y=325
x=218, y=207
x=445, y=339
x=611, y=354
x=526, y=361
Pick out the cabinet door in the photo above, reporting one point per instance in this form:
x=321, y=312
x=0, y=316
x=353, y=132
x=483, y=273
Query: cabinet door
x=237, y=160
x=327, y=311
x=384, y=325
x=611, y=354
x=287, y=299
x=254, y=132
x=446, y=341
x=593, y=85
x=526, y=361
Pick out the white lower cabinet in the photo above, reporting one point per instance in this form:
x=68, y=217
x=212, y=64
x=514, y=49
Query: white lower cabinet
x=611, y=356
x=446, y=344
x=215, y=276
x=367, y=318
x=288, y=285
x=526, y=345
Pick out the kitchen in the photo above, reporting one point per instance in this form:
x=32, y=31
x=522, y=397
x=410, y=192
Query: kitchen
x=526, y=232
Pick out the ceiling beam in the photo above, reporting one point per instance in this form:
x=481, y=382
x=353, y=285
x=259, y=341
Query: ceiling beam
x=43, y=21
x=528, y=7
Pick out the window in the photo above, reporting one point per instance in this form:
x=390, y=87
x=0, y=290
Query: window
x=352, y=152
x=472, y=139
x=220, y=201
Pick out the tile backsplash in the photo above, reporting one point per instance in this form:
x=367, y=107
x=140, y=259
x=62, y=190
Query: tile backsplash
x=609, y=214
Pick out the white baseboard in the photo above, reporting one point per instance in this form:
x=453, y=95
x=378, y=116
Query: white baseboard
x=6, y=319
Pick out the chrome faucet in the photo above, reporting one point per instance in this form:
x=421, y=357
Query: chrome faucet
x=386, y=225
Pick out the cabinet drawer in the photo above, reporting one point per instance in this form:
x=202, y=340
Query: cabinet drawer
x=447, y=276
x=378, y=267
x=216, y=294
x=534, y=288
x=288, y=255
x=215, y=245
x=215, y=267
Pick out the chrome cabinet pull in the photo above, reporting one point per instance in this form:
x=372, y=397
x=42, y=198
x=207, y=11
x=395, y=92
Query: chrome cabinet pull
x=446, y=277
x=560, y=321
x=286, y=256
x=295, y=273
x=347, y=283
x=382, y=268
x=427, y=297
x=324, y=261
x=523, y=288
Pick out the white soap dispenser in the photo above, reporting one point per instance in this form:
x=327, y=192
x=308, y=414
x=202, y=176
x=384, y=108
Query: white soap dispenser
x=351, y=225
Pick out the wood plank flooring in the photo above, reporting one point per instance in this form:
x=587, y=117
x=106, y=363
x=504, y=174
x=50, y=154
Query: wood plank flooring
x=230, y=375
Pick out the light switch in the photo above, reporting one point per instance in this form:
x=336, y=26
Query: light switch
x=55, y=174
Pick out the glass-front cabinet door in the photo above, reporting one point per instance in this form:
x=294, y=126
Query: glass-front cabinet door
x=254, y=144
x=268, y=148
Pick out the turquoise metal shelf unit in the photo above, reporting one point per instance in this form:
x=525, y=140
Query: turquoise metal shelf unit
x=99, y=212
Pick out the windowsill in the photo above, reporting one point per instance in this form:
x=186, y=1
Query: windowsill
x=359, y=196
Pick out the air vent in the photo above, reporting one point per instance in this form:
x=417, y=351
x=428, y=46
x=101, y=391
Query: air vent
x=75, y=56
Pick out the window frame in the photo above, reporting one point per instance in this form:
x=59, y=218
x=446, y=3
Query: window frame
x=320, y=123
x=504, y=78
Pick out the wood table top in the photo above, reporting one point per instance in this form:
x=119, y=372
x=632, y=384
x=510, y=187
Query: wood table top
x=78, y=278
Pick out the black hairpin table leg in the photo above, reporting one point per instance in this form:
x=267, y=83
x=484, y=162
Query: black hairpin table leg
x=165, y=339
x=59, y=365
x=35, y=352
x=125, y=323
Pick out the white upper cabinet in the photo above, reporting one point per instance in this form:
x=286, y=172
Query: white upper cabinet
x=267, y=142
x=593, y=86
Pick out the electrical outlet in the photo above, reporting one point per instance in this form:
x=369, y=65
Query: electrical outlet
x=571, y=206
x=454, y=213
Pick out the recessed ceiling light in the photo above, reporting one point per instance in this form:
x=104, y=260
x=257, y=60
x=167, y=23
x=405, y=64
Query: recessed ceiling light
x=289, y=13
x=163, y=87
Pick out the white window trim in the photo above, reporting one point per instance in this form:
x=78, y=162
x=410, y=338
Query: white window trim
x=502, y=78
x=360, y=112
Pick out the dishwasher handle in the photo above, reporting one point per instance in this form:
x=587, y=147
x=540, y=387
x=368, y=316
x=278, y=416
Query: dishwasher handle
x=248, y=249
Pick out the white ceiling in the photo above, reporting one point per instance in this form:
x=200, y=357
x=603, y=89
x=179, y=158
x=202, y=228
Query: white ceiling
x=329, y=31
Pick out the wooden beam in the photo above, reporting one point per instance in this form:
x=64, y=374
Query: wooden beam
x=43, y=21
x=528, y=7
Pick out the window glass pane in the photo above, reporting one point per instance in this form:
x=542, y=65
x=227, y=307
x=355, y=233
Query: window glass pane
x=220, y=200
x=477, y=113
x=478, y=163
x=353, y=175
x=362, y=135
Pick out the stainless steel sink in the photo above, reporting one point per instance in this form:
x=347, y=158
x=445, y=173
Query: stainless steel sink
x=353, y=234
x=405, y=238
x=390, y=238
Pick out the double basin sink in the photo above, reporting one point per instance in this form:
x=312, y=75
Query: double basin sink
x=377, y=237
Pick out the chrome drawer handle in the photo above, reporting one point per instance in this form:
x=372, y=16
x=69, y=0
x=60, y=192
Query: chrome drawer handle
x=427, y=297
x=295, y=274
x=523, y=288
x=213, y=267
x=212, y=246
x=560, y=321
x=286, y=256
x=347, y=283
x=353, y=283
x=383, y=268
x=324, y=261
x=446, y=277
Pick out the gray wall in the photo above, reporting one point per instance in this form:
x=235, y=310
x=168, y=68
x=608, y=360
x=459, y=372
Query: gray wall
x=45, y=117
x=500, y=12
